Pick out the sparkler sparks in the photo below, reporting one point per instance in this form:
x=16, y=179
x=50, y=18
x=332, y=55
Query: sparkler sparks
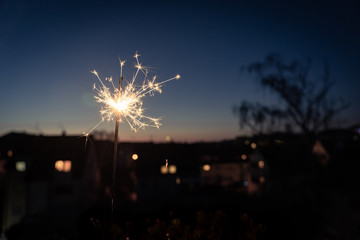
x=127, y=101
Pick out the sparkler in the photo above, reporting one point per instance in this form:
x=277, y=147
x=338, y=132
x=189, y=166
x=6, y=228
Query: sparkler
x=126, y=104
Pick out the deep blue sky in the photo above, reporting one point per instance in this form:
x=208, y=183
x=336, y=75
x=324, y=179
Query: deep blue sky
x=48, y=48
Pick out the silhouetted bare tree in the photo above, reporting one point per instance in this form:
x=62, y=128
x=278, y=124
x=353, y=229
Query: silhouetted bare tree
x=306, y=103
x=258, y=116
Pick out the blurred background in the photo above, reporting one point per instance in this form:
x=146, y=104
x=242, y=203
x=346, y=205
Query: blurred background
x=259, y=138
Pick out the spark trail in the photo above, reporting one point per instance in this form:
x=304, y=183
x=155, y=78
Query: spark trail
x=127, y=101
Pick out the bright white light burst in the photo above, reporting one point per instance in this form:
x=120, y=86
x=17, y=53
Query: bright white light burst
x=128, y=102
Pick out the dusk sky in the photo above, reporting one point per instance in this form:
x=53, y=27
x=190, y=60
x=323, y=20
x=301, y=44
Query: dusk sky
x=48, y=48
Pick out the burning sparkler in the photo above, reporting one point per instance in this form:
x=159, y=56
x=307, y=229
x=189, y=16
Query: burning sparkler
x=125, y=104
x=128, y=102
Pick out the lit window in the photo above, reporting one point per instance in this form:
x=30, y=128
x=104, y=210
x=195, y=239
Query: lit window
x=253, y=145
x=278, y=141
x=133, y=196
x=206, y=167
x=20, y=166
x=135, y=157
x=67, y=166
x=10, y=153
x=243, y=157
x=59, y=165
x=262, y=179
x=261, y=164
x=63, y=166
x=164, y=169
x=172, y=169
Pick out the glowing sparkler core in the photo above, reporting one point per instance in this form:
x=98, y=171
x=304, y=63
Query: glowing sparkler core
x=129, y=101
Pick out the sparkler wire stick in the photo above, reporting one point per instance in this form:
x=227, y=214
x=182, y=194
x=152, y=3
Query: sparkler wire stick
x=116, y=137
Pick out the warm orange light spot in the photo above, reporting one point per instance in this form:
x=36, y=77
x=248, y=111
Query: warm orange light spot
x=262, y=179
x=10, y=153
x=243, y=157
x=164, y=169
x=135, y=156
x=247, y=142
x=206, y=167
x=133, y=196
x=253, y=145
x=63, y=166
x=59, y=165
x=178, y=180
x=67, y=166
x=172, y=169
x=261, y=164
x=167, y=138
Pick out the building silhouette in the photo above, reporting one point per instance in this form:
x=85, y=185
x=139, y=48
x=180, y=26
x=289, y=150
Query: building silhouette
x=52, y=184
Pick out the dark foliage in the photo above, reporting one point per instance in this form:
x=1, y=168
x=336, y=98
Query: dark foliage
x=202, y=225
x=306, y=104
